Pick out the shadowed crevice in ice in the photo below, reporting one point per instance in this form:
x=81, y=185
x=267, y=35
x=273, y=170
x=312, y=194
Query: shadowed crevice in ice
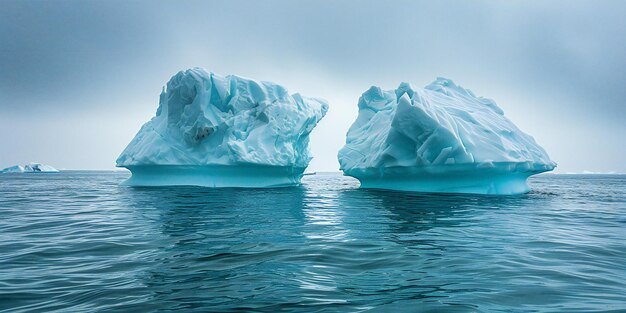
x=438, y=139
x=218, y=131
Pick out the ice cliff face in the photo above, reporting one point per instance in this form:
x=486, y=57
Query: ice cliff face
x=407, y=138
x=205, y=119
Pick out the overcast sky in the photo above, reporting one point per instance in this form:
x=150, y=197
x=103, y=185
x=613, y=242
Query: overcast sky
x=79, y=78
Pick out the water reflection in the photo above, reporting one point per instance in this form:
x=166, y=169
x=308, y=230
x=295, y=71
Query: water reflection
x=220, y=248
x=324, y=228
x=83, y=242
x=323, y=248
x=416, y=212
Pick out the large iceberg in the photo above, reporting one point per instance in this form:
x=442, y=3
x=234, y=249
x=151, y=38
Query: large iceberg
x=30, y=168
x=441, y=138
x=223, y=131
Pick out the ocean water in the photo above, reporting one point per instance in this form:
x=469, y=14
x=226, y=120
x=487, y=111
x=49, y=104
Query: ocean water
x=79, y=242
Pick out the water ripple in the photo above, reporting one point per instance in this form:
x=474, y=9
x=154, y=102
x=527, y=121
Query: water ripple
x=77, y=241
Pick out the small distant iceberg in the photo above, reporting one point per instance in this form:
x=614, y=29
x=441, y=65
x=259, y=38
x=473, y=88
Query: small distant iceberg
x=441, y=138
x=223, y=131
x=586, y=172
x=30, y=168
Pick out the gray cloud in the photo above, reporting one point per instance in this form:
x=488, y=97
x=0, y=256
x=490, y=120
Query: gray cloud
x=86, y=75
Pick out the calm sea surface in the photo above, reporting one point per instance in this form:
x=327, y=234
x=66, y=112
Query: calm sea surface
x=79, y=242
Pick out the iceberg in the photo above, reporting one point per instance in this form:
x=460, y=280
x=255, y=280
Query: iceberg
x=223, y=131
x=441, y=138
x=30, y=168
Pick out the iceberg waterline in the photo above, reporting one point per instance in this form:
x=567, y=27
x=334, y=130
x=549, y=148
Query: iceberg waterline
x=223, y=131
x=247, y=176
x=441, y=138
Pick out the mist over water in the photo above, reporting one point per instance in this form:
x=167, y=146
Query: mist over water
x=77, y=241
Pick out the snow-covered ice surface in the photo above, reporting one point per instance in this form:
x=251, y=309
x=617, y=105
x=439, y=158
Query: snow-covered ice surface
x=438, y=139
x=30, y=168
x=223, y=131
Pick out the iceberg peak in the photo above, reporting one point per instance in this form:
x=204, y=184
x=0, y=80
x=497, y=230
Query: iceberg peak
x=405, y=88
x=447, y=87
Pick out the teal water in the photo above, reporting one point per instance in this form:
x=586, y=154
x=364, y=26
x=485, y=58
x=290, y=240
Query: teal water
x=80, y=242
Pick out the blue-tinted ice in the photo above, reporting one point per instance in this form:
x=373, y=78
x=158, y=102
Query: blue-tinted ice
x=439, y=139
x=217, y=131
